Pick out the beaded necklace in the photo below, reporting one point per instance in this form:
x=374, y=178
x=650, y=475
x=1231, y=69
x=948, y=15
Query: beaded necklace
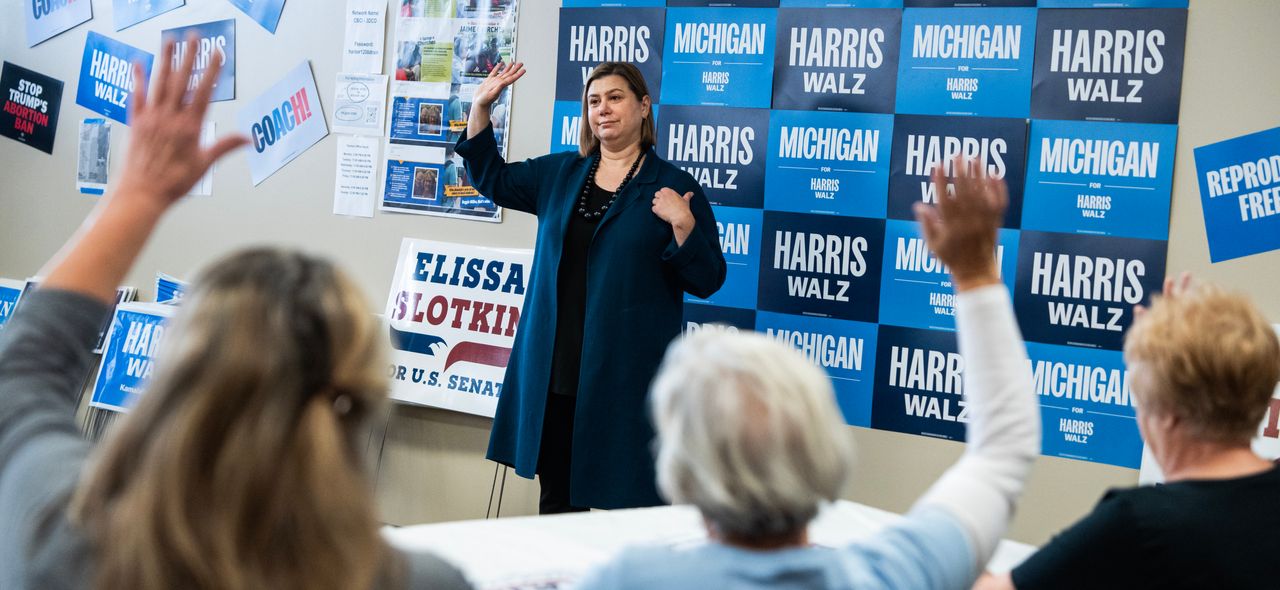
x=591, y=182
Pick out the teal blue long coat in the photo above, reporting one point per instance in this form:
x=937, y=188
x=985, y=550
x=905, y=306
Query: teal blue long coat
x=636, y=280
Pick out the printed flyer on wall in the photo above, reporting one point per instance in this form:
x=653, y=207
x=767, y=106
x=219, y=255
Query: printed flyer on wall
x=452, y=314
x=442, y=50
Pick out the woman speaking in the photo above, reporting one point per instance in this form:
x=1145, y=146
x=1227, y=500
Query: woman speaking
x=622, y=235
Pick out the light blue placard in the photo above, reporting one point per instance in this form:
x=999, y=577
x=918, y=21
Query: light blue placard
x=9, y=294
x=131, y=12
x=214, y=40
x=915, y=287
x=740, y=231
x=47, y=19
x=966, y=61
x=719, y=56
x=265, y=12
x=846, y=350
x=1086, y=409
x=1103, y=179
x=1240, y=192
x=106, y=76
x=828, y=162
x=135, y=337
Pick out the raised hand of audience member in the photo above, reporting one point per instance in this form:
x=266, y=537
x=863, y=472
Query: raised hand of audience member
x=163, y=162
x=961, y=229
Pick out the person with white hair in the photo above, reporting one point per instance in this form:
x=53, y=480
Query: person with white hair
x=750, y=434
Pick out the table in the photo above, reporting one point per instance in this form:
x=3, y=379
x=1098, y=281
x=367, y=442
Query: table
x=551, y=552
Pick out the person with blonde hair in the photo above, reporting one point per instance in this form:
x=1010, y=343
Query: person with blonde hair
x=1203, y=364
x=750, y=434
x=241, y=466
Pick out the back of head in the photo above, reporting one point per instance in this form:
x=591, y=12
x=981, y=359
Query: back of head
x=749, y=432
x=1207, y=357
x=239, y=466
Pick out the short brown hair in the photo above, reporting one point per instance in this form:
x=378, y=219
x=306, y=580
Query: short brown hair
x=1209, y=358
x=587, y=141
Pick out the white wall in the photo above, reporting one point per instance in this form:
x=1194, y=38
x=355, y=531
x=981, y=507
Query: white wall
x=433, y=467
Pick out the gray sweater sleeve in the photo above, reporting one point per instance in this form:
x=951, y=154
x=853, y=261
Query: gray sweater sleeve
x=45, y=356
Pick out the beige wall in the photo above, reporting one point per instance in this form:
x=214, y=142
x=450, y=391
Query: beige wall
x=432, y=464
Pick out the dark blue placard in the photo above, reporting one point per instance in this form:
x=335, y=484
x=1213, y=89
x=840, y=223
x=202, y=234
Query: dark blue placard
x=419, y=121
x=1085, y=407
x=832, y=163
x=724, y=150
x=718, y=56
x=131, y=12
x=845, y=350
x=106, y=76
x=699, y=316
x=843, y=60
x=915, y=287
x=1111, y=179
x=214, y=40
x=593, y=35
x=1113, y=3
x=920, y=143
x=967, y=3
x=1080, y=290
x=1240, y=192
x=919, y=383
x=966, y=61
x=740, y=231
x=29, y=106
x=1109, y=65
x=612, y=3
x=841, y=4
x=127, y=358
x=821, y=265
x=264, y=12
x=8, y=302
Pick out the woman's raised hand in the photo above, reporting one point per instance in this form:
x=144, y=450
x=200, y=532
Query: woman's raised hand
x=165, y=158
x=499, y=78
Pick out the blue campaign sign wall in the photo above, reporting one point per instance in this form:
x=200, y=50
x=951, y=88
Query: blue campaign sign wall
x=1109, y=65
x=833, y=163
x=735, y=3
x=920, y=143
x=137, y=331
x=846, y=350
x=740, y=231
x=724, y=150
x=719, y=56
x=698, y=316
x=919, y=383
x=915, y=287
x=1086, y=410
x=106, y=76
x=1113, y=3
x=1080, y=290
x=590, y=36
x=966, y=61
x=1112, y=179
x=1240, y=192
x=821, y=265
x=845, y=60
